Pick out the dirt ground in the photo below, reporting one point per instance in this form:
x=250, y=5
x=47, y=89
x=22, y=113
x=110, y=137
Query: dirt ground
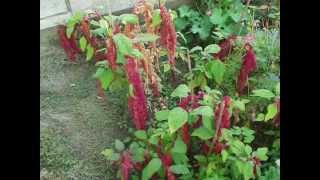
x=75, y=125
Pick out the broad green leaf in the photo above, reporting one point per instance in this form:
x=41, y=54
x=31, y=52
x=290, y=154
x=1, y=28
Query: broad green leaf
x=145, y=37
x=180, y=169
x=248, y=150
x=196, y=48
x=137, y=54
x=124, y=46
x=90, y=52
x=264, y=93
x=162, y=115
x=239, y=105
x=212, y=48
x=137, y=154
x=179, y=158
x=154, y=140
x=225, y=155
x=114, y=157
x=166, y=67
x=95, y=23
x=247, y=170
x=201, y=158
x=203, y=111
x=83, y=43
x=217, y=70
x=129, y=18
x=141, y=134
x=203, y=133
x=216, y=17
x=277, y=89
x=207, y=122
x=119, y=145
x=179, y=147
x=272, y=112
x=105, y=76
x=108, y=153
x=176, y=119
x=153, y=166
x=103, y=23
x=184, y=11
x=181, y=91
x=261, y=153
x=156, y=18
x=260, y=117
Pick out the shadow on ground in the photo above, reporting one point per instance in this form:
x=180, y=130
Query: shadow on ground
x=75, y=125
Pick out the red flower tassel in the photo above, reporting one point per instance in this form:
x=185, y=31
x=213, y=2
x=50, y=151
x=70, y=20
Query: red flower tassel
x=126, y=165
x=248, y=66
x=167, y=162
x=111, y=54
x=68, y=45
x=168, y=37
x=226, y=48
x=138, y=102
x=276, y=119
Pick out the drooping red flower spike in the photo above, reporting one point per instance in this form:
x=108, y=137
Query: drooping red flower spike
x=111, y=54
x=248, y=66
x=138, y=102
x=168, y=37
x=276, y=119
x=126, y=165
x=167, y=162
x=69, y=45
x=189, y=103
x=225, y=117
x=226, y=48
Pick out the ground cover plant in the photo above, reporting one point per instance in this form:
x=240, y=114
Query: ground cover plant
x=203, y=87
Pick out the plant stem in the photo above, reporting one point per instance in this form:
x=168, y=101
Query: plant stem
x=222, y=105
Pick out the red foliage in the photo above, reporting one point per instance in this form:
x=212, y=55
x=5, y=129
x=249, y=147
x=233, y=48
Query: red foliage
x=137, y=103
x=85, y=29
x=225, y=119
x=126, y=165
x=218, y=147
x=111, y=54
x=248, y=66
x=69, y=45
x=167, y=162
x=226, y=48
x=188, y=103
x=276, y=119
x=168, y=37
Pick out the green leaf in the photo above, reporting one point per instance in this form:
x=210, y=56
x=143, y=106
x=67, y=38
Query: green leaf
x=216, y=17
x=264, y=93
x=201, y=159
x=145, y=37
x=203, y=111
x=225, y=155
x=217, y=70
x=83, y=43
x=208, y=122
x=260, y=117
x=166, y=67
x=108, y=153
x=105, y=76
x=277, y=89
x=90, y=52
x=162, y=115
x=212, y=48
x=176, y=119
x=196, y=48
x=272, y=112
x=129, y=18
x=184, y=11
x=153, y=166
x=69, y=31
x=261, y=153
x=180, y=169
x=154, y=140
x=247, y=170
x=203, y=133
x=239, y=105
x=124, y=46
x=179, y=158
x=141, y=134
x=179, y=147
x=114, y=157
x=181, y=91
x=119, y=145
x=156, y=18
x=137, y=54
